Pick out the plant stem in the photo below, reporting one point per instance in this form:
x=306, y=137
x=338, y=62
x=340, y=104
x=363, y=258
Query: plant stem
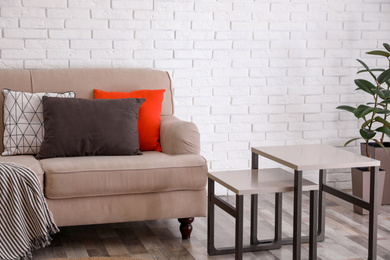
x=367, y=153
x=386, y=106
x=385, y=117
x=375, y=105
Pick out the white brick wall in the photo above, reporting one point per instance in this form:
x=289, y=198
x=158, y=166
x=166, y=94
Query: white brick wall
x=247, y=72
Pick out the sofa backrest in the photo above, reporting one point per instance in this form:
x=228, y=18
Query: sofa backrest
x=84, y=81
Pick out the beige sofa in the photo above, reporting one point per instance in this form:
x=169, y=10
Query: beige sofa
x=108, y=189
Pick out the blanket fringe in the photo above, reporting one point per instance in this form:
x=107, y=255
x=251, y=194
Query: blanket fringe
x=20, y=185
x=38, y=243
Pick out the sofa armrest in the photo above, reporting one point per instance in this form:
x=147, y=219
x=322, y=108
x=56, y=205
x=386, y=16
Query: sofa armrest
x=178, y=136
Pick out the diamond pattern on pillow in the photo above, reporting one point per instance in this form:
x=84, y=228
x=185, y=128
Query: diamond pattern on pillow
x=23, y=120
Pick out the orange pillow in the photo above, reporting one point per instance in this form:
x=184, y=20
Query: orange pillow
x=149, y=114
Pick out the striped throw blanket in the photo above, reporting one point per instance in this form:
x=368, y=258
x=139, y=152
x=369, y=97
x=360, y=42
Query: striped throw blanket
x=25, y=221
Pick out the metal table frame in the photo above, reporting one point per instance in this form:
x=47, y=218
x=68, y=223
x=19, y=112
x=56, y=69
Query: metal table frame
x=255, y=244
x=323, y=189
x=370, y=206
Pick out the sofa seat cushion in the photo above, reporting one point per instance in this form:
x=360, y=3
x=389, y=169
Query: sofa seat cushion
x=72, y=177
x=28, y=161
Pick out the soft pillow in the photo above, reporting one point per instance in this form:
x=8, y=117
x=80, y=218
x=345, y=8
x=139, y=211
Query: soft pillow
x=81, y=127
x=149, y=114
x=23, y=120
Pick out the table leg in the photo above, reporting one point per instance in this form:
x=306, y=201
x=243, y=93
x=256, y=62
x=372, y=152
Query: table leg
x=254, y=204
x=297, y=225
x=373, y=215
x=278, y=219
x=321, y=206
x=313, y=225
x=255, y=161
x=254, y=212
x=277, y=240
x=239, y=226
x=210, y=217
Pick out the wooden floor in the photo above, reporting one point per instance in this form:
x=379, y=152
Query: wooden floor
x=346, y=236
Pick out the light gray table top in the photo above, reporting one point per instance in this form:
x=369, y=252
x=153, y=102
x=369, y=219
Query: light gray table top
x=314, y=157
x=259, y=181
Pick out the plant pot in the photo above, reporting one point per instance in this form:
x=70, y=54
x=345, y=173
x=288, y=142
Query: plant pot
x=361, y=187
x=381, y=155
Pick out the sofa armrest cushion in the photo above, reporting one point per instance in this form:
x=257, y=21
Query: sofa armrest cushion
x=179, y=137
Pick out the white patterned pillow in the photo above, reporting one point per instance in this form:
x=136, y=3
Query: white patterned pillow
x=23, y=120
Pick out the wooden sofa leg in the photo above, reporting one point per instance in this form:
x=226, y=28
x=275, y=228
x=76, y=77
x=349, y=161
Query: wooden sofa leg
x=185, y=227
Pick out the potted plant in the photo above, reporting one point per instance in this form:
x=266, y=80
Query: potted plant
x=374, y=117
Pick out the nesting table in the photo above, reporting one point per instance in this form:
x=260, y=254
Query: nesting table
x=319, y=157
x=253, y=182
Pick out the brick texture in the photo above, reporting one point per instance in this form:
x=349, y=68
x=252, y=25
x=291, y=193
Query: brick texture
x=247, y=72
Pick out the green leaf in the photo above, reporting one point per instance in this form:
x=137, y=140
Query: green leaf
x=364, y=64
x=387, y=46
x=381, y=145
x=379, y=53
x=365, y=86
x=363, y=110
x=360, y=71
x=347, y=108
x=382, y=111
x=366, y=134
x=384, y=76
x=379, y=93
x=386, y=93
x=384, y=130
x=350, y=141
x=382, y=120
x=367, y=68
x=367, y=123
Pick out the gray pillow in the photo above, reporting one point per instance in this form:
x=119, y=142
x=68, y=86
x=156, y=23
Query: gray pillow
x=82, y=127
